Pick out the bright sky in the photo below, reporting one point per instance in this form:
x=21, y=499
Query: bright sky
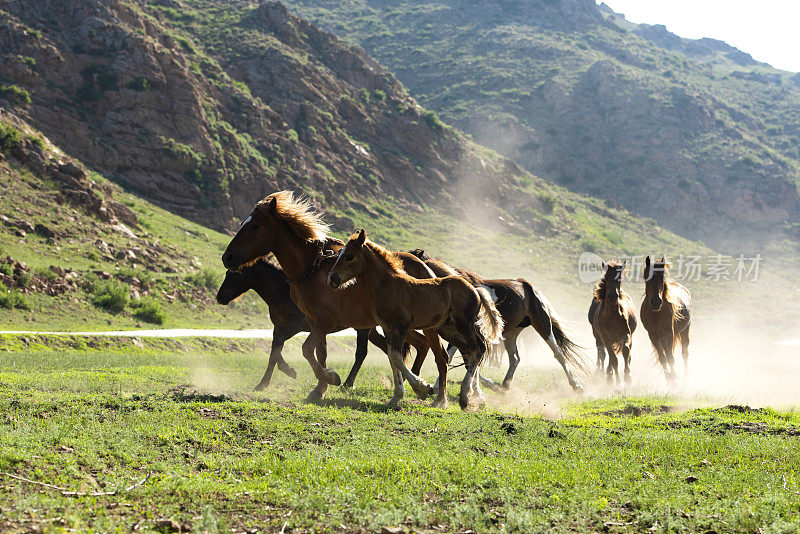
x=766, y=29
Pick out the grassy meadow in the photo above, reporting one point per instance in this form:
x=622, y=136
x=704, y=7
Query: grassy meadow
x=174, y=431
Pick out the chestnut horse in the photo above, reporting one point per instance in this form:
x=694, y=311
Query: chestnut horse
x=271, y=284
x=613, y=321
x=401, y=303
x=291, y=230
x=520, y=305
x=666, y=314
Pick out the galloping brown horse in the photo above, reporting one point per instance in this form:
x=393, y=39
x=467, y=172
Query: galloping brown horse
x=401, y=303
x=666, y=314
x=613, y=321
x=295, y=233
x=271, y=284
x=520, y=305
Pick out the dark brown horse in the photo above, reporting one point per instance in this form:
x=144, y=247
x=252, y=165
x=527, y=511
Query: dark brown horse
x=613, y=321
x=295, y=233
x=666, y=314
x=520, y=305
x=401, y=303
x=271, y=284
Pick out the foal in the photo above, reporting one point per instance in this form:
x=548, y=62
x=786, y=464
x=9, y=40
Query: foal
x=271, y=284
x=613, y=321
x=666, y=315
x=401, y=303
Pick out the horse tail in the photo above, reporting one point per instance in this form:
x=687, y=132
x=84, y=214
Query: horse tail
x=541, y=311
x=490, y=323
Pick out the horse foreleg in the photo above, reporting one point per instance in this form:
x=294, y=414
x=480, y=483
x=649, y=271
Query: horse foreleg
x=395, y=340
x=601, y=355
x=362, y=337
x=324, y=376
x=626, y=355
x=421, y=344
x=274, y=356
x=685, y=351
x=441, y=365
x=559, y=354
x=612, y=369
x=418, y=385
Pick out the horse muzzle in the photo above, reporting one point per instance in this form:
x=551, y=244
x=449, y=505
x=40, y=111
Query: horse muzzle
x=334, y=280
x=655, y=303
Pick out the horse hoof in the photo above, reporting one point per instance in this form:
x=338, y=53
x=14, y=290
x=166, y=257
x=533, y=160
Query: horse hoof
x=463, y=402
x=627, y=379
x=261, y=386
x=347, y=384
x=393, y=404
x=577, y=388
x=334, y=379
x=314, y=396
x=290, y=372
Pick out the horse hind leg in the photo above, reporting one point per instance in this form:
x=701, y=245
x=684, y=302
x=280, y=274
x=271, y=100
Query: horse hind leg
x=559, y=355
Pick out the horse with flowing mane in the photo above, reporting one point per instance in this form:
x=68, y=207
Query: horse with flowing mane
x=666, y=314
x=613, y=321
x=520, y=305
x=271, y=284
x=295, y=233
x=401, y=303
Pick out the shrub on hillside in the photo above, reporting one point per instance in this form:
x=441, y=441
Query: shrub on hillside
x=12, y=299
x=149, y=310
x=9, y=136
x=110, y=295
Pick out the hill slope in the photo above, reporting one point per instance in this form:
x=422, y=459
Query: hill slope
x=692, y=133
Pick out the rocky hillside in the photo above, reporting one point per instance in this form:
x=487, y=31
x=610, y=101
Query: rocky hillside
x=694, y=134
x=203, y=108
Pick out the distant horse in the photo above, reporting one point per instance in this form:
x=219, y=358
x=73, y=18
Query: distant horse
x=292, y=230
x=666, y=314
x=520, y=305
x=401, y=303
x=613, y=321
x=271, y=284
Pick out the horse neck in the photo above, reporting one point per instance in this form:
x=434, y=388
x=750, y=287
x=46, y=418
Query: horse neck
x=376, y=274
x=294, y=254
x=271, y=285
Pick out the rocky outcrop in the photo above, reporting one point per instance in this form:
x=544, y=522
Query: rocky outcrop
x=206, y=132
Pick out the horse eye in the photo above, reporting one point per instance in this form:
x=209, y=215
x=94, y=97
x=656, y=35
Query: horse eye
x=349, y=257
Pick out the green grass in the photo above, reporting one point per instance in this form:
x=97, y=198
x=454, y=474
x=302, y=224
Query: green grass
x=217, y=453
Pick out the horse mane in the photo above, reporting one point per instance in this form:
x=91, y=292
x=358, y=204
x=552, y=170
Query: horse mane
x=394, y=262
x=600, y=287
x=421, y=254
x=473, y=278
x=298, y=213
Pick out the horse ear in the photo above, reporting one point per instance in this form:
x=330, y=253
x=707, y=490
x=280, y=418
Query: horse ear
x=646, y=272
x=362, y=236
x=663, y=259
x=603, y=265
x=272, y=207
x=624, y=264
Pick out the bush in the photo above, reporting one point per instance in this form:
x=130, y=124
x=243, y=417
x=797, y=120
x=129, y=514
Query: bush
x=434, y=123
x=150, y=311
x=12, y=299
x=6, y=269
x=140, y=84
x=47, y=274
x=16, y=92
x=9, y=136
x=207, y=278
x=110, y=295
